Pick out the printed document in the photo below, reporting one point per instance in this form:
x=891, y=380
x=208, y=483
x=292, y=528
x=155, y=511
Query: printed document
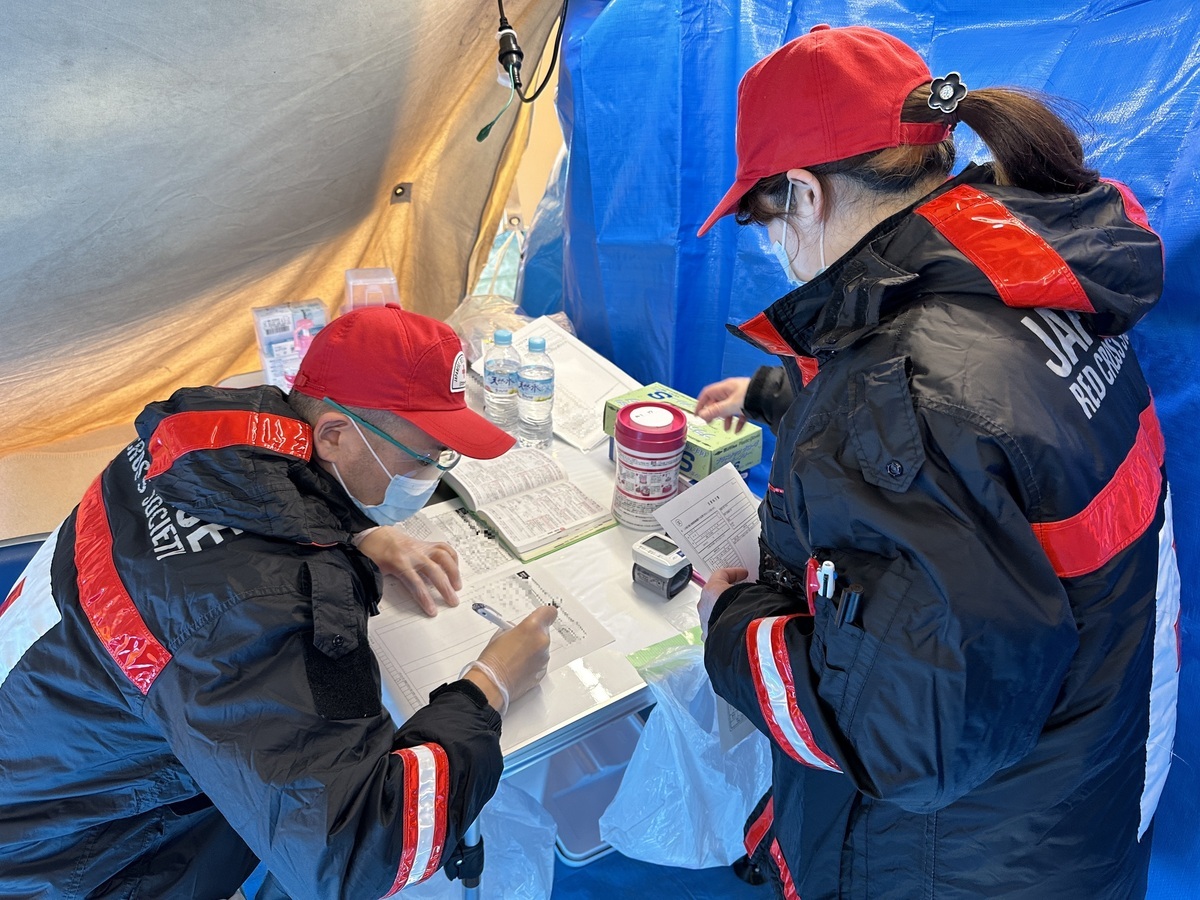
x=417, y=653
x=479, y=551
x=715, y=522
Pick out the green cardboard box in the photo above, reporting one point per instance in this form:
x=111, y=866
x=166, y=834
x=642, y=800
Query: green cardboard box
x=708, y=446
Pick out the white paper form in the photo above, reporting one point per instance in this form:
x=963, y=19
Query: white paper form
x=711, y=520
x=479, y=552
x=417, y=653
x=583, y=380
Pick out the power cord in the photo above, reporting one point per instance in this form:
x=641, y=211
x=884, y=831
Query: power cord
x=510, y=56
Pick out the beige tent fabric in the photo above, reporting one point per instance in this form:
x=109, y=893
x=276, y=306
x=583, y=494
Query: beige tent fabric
x=39, y=487
x=167, y=167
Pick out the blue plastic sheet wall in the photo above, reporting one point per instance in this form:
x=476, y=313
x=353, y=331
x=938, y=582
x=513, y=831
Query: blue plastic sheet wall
x=648, y=98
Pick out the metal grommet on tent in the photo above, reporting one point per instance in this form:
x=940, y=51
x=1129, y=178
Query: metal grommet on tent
x=402, y=192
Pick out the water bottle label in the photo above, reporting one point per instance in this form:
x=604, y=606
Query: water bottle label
x=497, y=380
x=536, y=388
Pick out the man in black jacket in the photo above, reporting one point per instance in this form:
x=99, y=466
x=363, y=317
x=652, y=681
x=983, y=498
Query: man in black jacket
x=185, y=680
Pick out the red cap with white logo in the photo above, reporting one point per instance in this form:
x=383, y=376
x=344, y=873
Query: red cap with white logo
x=827, y=95
x=384, y=357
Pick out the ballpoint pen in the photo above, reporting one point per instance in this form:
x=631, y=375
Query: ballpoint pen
x=828, y=576
x=492, y=616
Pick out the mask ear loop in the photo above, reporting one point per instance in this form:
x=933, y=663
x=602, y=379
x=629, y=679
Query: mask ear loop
x=371, y=449
x=787, y=224
x=821, y=239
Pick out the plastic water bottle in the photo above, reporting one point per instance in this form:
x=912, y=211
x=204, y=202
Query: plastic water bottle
x=535, y=396
x=500, y=367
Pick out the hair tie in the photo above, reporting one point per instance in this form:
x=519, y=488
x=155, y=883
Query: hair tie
x=945, y=93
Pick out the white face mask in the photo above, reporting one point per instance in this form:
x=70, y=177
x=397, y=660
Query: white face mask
x=780, y=252
x=786, y=264
x=403, y=498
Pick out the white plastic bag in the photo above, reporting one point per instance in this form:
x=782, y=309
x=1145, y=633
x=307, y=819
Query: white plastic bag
x=682, y=801
x=518, y=850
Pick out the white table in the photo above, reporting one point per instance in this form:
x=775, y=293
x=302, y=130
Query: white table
x=601, y=687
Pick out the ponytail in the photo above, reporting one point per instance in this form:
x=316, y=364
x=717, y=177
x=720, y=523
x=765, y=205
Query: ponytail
x=1032, y=146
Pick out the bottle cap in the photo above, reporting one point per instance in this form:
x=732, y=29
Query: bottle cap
x=502, y=337
x=537, y=345
x=651, y=428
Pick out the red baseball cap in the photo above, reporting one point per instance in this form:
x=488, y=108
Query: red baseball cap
x=383, y=357
x=827, y=95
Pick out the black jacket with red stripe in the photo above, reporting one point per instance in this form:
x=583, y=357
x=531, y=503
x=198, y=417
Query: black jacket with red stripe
x=186, y=684
x=996, y=717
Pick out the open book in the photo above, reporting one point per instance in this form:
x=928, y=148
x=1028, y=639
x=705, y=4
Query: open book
x=527, y=499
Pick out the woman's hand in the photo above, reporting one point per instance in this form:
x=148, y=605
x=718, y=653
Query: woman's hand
x=721, y=581
x=724, y=400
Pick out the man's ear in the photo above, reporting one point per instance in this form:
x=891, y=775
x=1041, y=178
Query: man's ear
x=330, y=436
x=808, y=197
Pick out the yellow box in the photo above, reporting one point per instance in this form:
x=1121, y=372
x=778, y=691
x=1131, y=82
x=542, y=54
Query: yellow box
x=708, y=446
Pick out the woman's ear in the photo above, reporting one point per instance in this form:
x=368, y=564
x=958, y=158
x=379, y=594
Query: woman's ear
x=808, y=197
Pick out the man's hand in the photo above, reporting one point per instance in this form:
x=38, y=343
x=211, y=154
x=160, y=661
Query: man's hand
x=517, y=658
x=724, y=400
x=721, y=581
x=422, y=567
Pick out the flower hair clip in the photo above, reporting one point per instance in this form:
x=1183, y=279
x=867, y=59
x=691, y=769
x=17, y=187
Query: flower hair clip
x=945, y=93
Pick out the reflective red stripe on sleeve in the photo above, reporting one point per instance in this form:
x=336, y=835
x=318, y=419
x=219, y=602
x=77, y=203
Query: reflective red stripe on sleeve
x=785, y=874
x=1119, y=514
x=761, y=826
x=1022, y=267
x=189, y=431
x=109, y=608
x=776, y=692
x=423, y=813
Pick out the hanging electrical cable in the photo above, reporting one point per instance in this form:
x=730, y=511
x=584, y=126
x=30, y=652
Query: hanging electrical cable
x=510, y=56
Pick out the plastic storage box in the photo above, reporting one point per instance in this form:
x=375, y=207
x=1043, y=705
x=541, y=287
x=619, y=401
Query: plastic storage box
x=370, y=287
x=577, y=783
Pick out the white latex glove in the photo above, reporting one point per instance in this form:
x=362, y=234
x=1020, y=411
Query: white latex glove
x=515, y=659
x=423, y=568
x=724, y=400
x=721, y=581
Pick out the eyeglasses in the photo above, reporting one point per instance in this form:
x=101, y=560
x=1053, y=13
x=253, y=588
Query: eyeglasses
x=444, y=461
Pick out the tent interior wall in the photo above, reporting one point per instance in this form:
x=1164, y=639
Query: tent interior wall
x=168, y=168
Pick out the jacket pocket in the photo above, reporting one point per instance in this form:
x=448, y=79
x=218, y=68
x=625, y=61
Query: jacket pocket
x=338, y=617
x=777, y=504
x=844, y=654
x=883, y=424
x=341, y=668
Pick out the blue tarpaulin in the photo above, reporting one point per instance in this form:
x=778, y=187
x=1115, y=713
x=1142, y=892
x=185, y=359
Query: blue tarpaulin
x=648, y=99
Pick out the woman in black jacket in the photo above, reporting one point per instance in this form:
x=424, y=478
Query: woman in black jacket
x=962, y=643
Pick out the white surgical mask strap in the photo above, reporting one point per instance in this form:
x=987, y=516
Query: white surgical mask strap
x=372, y=449
x=787, y=223
x=821, y=238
